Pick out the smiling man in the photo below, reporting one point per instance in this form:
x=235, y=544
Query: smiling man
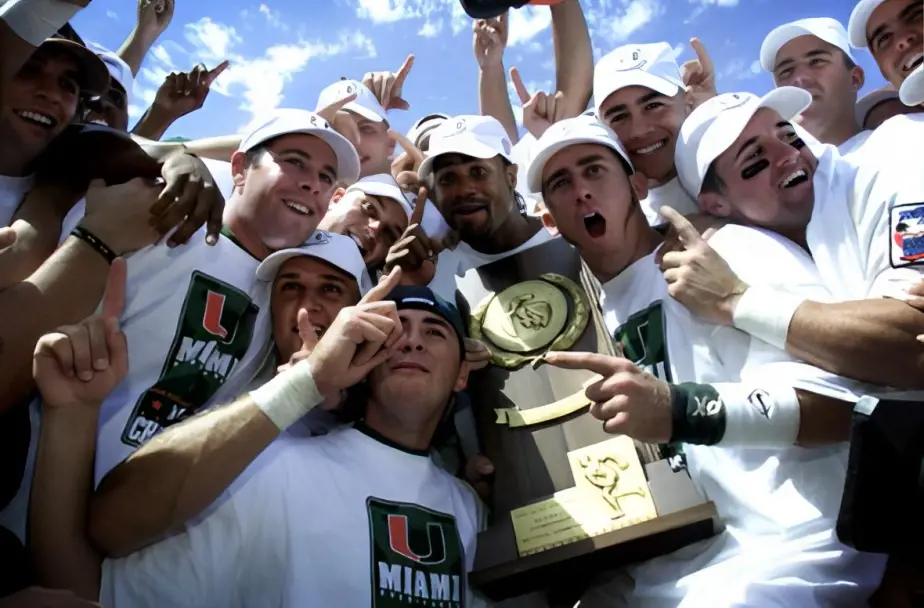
x=362, y=547
x=891, y=29
x=640, y=94
x=813, y=54
x=373, y=212
x=41, y=101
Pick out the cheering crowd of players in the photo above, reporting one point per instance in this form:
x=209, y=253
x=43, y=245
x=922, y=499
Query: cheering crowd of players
x=232, y=371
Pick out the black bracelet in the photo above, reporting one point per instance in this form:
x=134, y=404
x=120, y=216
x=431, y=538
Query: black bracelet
x=94, y=241
x=697, y=413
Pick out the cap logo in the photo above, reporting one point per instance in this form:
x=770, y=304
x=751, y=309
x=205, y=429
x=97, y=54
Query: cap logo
x=630, y=62
x=458, y=126
x=314, y=122
x=320, y=237
x=732, y=100
x=419, y=301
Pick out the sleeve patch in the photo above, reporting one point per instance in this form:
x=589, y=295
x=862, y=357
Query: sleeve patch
x=906, y=235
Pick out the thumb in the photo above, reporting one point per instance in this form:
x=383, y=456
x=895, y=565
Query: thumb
x=686, y=232
x=305, y=329
x=7, y=237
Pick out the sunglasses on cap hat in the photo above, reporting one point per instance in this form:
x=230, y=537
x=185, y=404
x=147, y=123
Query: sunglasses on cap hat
x=487, y=9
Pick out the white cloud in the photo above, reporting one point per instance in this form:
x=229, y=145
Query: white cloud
x=702, y=5
x=161, y=54
x=739, y=69
x=431, y=29
x=637, y=14
x=755, y=67
x=385, y=11
x=212, y=41
x=112, y=15
x=525, y=23
x=459, y=20
x=154, y=75
x=273, y=18
x=678, y=49
x=533, y=47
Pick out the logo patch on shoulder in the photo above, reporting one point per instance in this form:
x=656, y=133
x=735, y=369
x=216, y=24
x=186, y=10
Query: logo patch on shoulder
x=906, y=235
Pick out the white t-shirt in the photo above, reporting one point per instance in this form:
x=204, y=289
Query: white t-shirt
x=197, y=324
x=854, y=145
x=340, y=520
x=12, y=191
x=779, y=506
x=671, y=194
x=456, y=262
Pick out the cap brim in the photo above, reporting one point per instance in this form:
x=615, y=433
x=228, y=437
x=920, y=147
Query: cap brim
x=364, y=112
x=268, y=268
x=383, y=191
x=94, y=73
x=866, y=103
x=534, y=173
x=634, y=78
x=465, y=145
x=856, y=27
x=912, y=90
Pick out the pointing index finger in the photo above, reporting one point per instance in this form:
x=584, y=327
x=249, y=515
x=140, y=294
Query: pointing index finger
x=419, y=205
x=386, y=284
x=685, y=230
x=211, y=75
x=403, y=71
x=408, y=146
x=114, y=296
x=330, y=111
x=519, y=86
x=702, y=55
x=599, y=364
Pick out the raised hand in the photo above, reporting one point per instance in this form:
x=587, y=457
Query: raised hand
x=153, y=18
x=388, y=87
x=697, y=276
x=184, y=92
x=310, y=338
x=698, y=75
x=628, y=400
x=359, y=339
x=540, y=111
x=415, y=252
x=189, y=199
x=341, y=120
x=489, y=39
x=409, y=160
x=477, y=354
x=79, y=365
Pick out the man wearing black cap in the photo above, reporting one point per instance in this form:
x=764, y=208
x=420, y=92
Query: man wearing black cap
x=378, y=523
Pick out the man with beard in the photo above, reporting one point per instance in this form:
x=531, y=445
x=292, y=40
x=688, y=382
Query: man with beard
x=473, y=184
x=813, y=54
x=747, y=164
x=758, y=443
x=409, y=344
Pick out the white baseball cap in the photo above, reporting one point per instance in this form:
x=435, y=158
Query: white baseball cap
x=856, y=27
x=477, y=136
x=872, y=99
x=118, y=69
x=285, y=121
x=366, y=104
x=715, y=125
x=572, y=131
x=912, y=90
x=384, y=185
x=424, y=125
x=825, y=28
x=652, y=66
x=336, y=249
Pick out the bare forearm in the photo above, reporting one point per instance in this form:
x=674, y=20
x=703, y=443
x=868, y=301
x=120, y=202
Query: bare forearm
x=868, y=340
x=134, y=49
x=574, y=60
x=59, y=547
x=23, y=257
x=152, y=125
x=493, y=99
x=176, y=476
x=63, y=291
x=822, y=420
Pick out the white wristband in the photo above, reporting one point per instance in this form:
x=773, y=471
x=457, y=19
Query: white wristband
x=288, y=396
x=765, y=313
x=36, y=20
x=759, y=415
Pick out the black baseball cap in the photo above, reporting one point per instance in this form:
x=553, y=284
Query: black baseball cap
x=422, y=298
x=487, y=9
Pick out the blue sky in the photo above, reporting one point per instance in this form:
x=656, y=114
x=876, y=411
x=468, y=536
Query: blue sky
x=283, y=52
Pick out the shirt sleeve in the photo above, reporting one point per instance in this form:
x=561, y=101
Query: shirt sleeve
x=220, y=558
x=887, y=206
